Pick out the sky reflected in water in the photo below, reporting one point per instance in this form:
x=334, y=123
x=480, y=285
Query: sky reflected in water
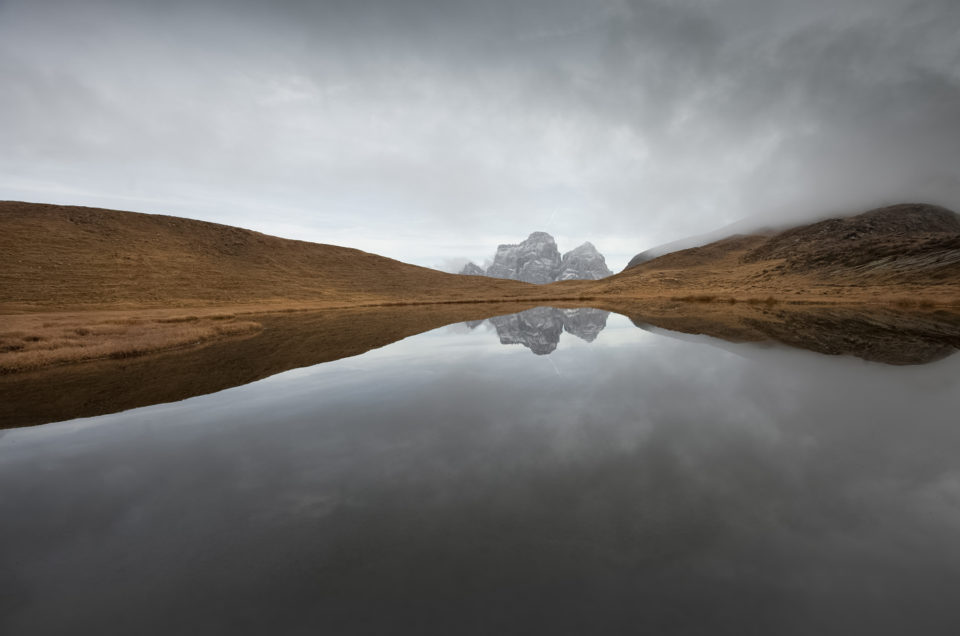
x=451, y=484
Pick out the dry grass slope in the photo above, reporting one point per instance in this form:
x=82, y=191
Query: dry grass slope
x=57, y=257
x=32, y=341
x=81, y=283
x=903, y=254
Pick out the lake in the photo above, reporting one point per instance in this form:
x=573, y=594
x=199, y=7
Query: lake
x=559, y=471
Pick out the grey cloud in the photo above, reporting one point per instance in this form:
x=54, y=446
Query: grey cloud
x=628, y=123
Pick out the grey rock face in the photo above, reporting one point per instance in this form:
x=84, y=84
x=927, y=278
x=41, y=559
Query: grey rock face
x=583, y=263
x=539, y=329
x=472, y=269
x=537, y=260
x=505, y=263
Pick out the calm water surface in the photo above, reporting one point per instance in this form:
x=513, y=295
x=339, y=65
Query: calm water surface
x=589, y=478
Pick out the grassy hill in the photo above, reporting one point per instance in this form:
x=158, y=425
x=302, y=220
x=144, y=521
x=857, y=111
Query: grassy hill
x=58, y=257
x=901, y=253
x=83, y=284
x=64, y=257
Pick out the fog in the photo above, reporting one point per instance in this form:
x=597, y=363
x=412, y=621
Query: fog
x=431, y=131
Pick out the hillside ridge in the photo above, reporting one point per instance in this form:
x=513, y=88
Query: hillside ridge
x=67, y=255
x=888, y=253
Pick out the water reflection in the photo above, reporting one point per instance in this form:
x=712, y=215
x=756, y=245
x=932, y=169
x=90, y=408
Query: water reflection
x=291, y=341
x=450, y=485
x=539, y=329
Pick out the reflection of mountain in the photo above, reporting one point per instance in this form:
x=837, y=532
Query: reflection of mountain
x=539, y=329
x=289, y=341
x=584, y=323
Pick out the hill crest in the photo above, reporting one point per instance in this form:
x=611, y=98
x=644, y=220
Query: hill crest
x=76, y=256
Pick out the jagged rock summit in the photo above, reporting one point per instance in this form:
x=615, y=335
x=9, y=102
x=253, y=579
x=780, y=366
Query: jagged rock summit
x=583, y=263
x=537, y=260
x=533, y=261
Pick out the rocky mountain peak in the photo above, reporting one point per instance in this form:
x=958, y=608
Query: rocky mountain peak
x=583, y=262
x=537, y=260
x=540, y=237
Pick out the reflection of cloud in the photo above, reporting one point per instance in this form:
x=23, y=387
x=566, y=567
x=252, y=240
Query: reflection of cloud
x=462, y=485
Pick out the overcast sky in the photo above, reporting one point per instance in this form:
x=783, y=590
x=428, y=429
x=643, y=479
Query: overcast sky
x=432, y=130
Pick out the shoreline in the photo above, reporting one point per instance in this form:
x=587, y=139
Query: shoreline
x=37, y=338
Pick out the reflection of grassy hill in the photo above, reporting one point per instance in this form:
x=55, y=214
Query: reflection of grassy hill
x=287, y=340
x=878, y=334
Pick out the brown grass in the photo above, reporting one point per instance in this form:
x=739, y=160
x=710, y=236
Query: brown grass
x=34, y=341
x=73, y=258
x=58, y=258
x=81, y=283
x=288, y=340
x=292, y=339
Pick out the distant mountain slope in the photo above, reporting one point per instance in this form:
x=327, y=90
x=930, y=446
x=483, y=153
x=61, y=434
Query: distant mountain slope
x=74, y=256
x=60, y=257
x=903, y=248
x=751, y=226
x=922, y=236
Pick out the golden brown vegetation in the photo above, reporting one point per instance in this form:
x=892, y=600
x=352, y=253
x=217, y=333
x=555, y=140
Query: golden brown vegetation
x=31, y=341
x=889, y=256
x=288, y=340
x=81, y=283
x=292, y=339
x=62, y=258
